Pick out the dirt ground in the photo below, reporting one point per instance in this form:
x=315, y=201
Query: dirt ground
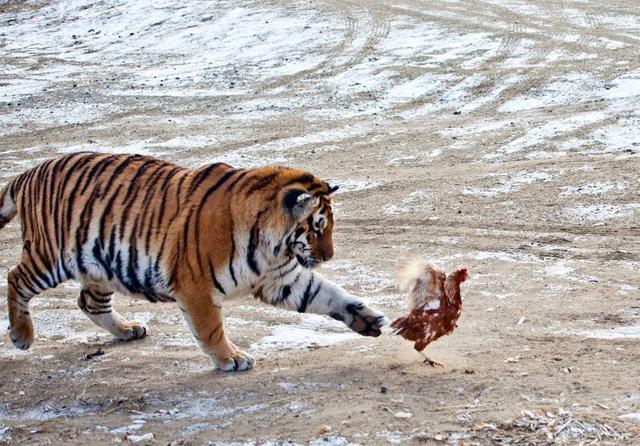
x=501, y=136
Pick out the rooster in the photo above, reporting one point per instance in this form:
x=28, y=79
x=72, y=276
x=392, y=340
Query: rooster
x=435, y=303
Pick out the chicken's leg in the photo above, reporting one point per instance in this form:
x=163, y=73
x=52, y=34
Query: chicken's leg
x=430, y=361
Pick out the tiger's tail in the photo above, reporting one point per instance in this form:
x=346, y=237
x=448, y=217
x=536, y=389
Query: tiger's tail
x=7, y=204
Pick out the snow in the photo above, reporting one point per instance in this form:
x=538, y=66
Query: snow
x=598, y=212
x=494, y=94
x=454, y=96
x=146, y=317
x=406, y=40
x=578, y=87
x=610, y=44
x=597, y=188
x=249, y=37
x=352, y=185
x=254, y=443
x=172, y=50
x=542, y=134
x=136, y=425
x=332, y=440
x=514, y=183
x=569, y=88
x=414, y=202
x=314, y=331
x=543, y=155
x=47, y=411
x=281, y=150
x=519, y=257
x=626, y=289
x=415, y=88
x=557, y=269
x=627, y=332
x=137, y=439
x=198, y=406
x=359, y=79
x=305, y=386
x=393, y=437
x=43, y=117
x=633, y=417
x=521, y=56
x=625, y=134
x=157, y=49
x=62, y=325
x=355, y=275
x=136, y=147
x=5, y=433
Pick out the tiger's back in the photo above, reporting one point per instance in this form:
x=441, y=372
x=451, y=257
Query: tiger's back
x=101, y=218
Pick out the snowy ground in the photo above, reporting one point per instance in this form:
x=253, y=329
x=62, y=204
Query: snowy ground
x=503, y=136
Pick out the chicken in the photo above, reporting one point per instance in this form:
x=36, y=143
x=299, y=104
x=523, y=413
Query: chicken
x=435, y=303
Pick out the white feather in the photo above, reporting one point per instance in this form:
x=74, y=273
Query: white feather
x=414, y=277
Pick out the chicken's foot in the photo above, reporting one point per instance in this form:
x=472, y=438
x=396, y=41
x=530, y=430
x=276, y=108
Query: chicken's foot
x=430, y=361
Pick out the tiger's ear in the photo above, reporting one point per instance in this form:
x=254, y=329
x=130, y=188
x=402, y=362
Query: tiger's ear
x=298, y=202
x=332, y=189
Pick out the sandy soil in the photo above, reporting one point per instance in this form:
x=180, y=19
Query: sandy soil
x=502, y=136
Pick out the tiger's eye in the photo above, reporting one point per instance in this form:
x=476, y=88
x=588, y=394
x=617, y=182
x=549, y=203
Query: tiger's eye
x=303, y=198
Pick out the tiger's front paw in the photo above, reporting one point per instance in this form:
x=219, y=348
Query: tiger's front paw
x=365, y=320
x=240, y=361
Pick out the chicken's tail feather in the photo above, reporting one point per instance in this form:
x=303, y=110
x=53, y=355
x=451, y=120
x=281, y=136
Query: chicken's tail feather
x=398, y=325
x=412, y=271
x=388, y=330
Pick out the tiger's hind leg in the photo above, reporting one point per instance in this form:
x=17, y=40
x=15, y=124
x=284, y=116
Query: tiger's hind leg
x=23, y=282
x=96, y=303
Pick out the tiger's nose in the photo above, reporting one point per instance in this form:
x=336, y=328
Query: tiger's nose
x=327, y=254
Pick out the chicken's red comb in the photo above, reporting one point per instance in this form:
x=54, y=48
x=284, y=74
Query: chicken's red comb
x=463, y=274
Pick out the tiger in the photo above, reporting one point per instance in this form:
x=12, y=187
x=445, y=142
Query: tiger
x=150, y=229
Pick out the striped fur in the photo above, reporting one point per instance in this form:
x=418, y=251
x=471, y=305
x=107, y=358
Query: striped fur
x=147, y=228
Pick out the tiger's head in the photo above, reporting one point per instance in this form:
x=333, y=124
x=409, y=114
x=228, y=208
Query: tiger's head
x=311, y=240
